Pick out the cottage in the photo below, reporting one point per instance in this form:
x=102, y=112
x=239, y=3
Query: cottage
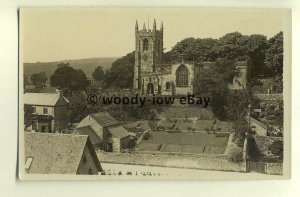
x=53, y=153
x=46, y=112
x=105, y=132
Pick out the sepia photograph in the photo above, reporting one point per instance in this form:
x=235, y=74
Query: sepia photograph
x=154, y=94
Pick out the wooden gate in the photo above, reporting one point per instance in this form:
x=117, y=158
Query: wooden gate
x=256, y=166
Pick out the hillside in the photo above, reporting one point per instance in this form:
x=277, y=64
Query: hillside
x=87, y=65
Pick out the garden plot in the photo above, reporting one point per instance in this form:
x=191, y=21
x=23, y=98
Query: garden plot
x=185, y=143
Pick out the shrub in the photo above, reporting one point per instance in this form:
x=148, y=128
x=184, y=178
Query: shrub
x=169, y=119
x=235, y=155
x=147, y=136
x=276, y=148
x=241, y=128
x=132, y=143
x=189, y=128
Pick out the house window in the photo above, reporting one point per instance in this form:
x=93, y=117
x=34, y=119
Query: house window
x=168, y=86
x=145, y=44
x=33, y=110
x=182, y=76
x=45, y=110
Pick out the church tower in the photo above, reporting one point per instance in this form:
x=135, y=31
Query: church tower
x=148, y=51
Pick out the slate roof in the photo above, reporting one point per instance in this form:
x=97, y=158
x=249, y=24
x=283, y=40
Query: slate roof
x=44, y=99
x=104, y=119
x=56, y=153
x=118, y=132
x=90, y=132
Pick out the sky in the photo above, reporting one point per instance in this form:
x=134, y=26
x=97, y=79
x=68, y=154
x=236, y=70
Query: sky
x=77, y=33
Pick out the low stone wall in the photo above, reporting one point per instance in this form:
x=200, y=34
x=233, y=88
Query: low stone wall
x=205, y=162
x=274, y=168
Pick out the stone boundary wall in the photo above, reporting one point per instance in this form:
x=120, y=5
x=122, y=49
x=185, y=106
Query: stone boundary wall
x=219, y=163
x=274, y=168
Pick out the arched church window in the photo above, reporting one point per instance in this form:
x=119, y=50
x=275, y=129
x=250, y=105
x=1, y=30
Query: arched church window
x=145, y=44
x=168, y=86
x=182, y=76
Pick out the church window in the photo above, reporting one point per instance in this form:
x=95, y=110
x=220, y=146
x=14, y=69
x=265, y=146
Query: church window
x=182, y=76
x=145, y=44
x=168, y=86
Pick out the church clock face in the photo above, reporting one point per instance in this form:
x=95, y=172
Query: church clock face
x=145, y=57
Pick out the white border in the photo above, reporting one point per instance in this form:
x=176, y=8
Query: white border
x=10, y=186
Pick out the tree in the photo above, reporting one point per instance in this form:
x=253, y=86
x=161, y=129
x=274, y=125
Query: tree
x=98, y=74
x=67, y=77
x=39, y=79
x=237, y=104
x=229, y=46
x=241, y=128
x=255, y=49
x=277, y=148
x=35, y=79
x=274, y=54
x=121, y=73
x=192, y=49
x=26, y=80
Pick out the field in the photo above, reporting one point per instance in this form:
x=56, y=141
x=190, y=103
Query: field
x=184, y=143
x=198, y=125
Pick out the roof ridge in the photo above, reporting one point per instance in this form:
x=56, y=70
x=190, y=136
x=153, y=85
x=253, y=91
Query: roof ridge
x=56, y=134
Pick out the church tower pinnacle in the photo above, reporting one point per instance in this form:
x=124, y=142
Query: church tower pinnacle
x=154, y=25
x=136, y=26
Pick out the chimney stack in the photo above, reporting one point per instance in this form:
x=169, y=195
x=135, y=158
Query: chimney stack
x=59, y=92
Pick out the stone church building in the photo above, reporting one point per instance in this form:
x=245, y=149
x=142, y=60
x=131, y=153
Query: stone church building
x=152, y=76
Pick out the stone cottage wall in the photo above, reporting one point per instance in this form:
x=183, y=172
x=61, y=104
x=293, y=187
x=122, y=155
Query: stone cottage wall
x=87, y=164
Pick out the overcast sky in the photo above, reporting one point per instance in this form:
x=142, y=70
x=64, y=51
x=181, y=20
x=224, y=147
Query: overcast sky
x=63, y=34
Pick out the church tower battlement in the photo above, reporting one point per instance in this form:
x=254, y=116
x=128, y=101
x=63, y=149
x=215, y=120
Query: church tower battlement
x=148, y=51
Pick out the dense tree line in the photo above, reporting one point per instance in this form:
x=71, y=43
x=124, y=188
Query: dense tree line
x=264, y=56
x=256, y=49
x=121, y=73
